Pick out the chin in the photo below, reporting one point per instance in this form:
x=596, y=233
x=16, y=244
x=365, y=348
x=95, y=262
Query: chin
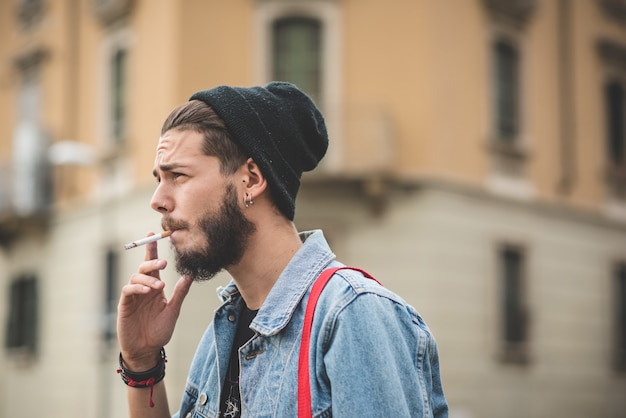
x=189, y=244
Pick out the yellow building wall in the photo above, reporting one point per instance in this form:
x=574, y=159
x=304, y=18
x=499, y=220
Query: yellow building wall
x=425, y=64
x=384, y=68
x=7, y=79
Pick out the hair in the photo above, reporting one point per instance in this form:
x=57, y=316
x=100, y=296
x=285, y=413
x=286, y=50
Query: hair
x=197, y=116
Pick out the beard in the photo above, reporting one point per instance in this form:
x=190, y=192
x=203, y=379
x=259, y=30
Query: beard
x=227, y=234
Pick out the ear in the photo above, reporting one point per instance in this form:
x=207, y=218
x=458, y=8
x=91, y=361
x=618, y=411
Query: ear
x=253, y=181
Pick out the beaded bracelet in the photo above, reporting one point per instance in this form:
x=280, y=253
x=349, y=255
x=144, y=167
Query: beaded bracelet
x=146, y=379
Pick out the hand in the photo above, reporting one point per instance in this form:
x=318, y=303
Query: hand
x=145, y=318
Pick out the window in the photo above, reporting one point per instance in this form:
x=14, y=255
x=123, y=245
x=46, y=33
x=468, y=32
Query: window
x=507, y=136
x=21, y=331
x=118, y=88
x=615, y=102
x=509, y=20
x=29, y=12
x=114, y=91
x=111, y=260
x=620, y=316
x=612, y=54
x=506, y=90
x=114, y=120
x=297, y=53
x=301, y=42
x=514, y=325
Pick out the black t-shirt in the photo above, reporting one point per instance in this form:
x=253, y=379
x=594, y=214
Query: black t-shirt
x=230, y=400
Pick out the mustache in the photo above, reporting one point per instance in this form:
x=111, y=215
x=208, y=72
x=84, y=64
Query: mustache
x=169, y=224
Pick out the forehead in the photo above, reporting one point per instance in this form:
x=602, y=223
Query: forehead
x=177, y=144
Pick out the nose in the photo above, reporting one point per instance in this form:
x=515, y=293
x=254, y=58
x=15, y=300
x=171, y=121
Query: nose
x=159, y=201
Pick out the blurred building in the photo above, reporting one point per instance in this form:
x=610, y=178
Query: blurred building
x=477, y=167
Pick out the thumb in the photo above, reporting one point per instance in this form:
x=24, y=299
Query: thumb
x=180, y=292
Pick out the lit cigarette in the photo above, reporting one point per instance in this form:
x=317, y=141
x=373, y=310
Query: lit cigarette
x=146, y=240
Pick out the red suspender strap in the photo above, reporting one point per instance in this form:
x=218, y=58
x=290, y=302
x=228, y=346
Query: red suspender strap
x=304, y=381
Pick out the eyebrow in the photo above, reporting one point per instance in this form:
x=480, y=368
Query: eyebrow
x=166, y=168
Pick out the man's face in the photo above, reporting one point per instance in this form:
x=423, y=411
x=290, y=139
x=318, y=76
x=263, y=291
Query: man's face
x=200, y=206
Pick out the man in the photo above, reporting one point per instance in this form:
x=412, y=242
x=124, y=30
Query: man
x=228, y=166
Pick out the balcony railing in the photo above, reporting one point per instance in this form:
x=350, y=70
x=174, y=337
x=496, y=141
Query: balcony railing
x=25, y=198
x=361, y=143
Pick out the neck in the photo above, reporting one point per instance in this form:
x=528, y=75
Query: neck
x=270, y=249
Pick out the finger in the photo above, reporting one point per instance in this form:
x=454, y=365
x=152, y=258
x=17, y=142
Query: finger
x=146, y=280
x=152, y=266
x=131, y=290
x=180, y=292
x=151, y=249
x=152, y=253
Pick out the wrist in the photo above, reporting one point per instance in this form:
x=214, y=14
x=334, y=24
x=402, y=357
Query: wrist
x=143, y=379
x=140, y=362
x=156, y=371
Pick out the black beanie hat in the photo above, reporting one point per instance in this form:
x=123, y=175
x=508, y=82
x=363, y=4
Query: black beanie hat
x=279, y=127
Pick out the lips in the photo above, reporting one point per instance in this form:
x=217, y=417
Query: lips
x=174, y=232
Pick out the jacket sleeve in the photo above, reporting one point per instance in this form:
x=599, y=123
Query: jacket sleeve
x=380, y=359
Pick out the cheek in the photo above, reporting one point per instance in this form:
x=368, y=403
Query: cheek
x=191, y=202
x=196, y=201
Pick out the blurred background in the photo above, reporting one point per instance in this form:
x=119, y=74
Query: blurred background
x=477, y=167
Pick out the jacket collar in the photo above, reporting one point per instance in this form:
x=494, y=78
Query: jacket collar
x=291, y=286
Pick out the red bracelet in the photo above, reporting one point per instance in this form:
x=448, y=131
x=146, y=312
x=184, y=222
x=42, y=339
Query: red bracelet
x=146, y=379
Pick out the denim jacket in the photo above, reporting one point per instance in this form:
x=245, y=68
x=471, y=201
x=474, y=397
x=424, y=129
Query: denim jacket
x=371, y=353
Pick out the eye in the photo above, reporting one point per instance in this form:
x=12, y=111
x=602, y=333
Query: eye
x=178, y=177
